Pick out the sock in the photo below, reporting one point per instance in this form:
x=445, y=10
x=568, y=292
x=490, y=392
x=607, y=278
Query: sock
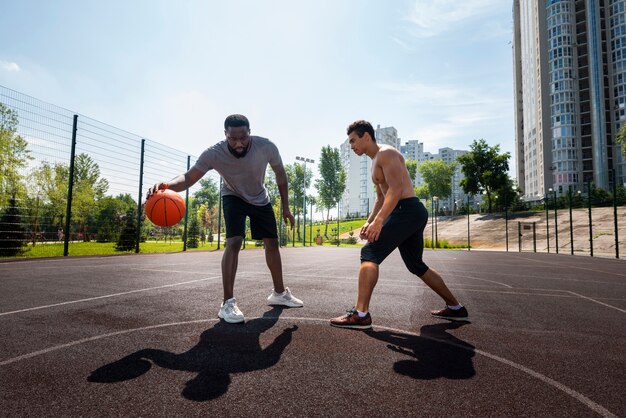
x=455, y=308
x=361, y=314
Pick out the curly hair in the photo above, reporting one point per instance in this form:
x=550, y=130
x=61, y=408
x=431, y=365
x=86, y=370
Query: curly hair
x=360, y=127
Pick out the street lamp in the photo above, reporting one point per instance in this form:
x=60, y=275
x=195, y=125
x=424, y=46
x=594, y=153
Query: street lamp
x=304, y=160
x=436, y=200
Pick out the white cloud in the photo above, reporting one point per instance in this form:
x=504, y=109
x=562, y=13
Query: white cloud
x=9, y=66
x=432, y=17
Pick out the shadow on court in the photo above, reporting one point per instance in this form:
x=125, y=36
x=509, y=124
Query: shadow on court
x=223, y=349
x=433, y=359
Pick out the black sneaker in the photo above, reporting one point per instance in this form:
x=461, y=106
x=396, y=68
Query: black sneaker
x=352, y=320
x=451, y=314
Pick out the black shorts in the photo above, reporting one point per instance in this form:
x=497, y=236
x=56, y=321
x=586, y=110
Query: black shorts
x=403, y=229
x=262, y=219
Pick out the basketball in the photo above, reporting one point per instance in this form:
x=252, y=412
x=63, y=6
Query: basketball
x=165, y=208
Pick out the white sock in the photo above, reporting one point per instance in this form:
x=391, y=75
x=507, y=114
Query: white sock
x=361, y=314
x=456, y=307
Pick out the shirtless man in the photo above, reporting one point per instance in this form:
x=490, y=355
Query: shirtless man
x=397, y=220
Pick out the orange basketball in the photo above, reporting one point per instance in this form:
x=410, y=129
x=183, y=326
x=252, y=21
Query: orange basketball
x=165, y=208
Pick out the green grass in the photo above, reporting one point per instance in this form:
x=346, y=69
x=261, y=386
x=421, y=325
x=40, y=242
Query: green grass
x=148, y=247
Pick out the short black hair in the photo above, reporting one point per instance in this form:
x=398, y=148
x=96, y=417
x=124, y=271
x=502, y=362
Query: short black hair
x=360, y=127
x=236, y=120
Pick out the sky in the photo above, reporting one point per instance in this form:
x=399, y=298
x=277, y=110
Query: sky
x=439, y=71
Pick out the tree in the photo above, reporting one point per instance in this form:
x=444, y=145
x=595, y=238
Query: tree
x=438, y=177
x=411, y=166
x=194, y=231
x=89, y=188
x=272, y=187
x=14, y=156
x=208, y=194
x=332, y=182
x=298, y=181
x=127, y=238
x=484, y=168
x=111, y=216
x=12, y=233
x=621, y=138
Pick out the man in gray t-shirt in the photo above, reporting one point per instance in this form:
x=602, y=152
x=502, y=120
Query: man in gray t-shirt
x=241, y=160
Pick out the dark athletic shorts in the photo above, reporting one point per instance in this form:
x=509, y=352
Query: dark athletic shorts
x=262, y=219
x=403, y=229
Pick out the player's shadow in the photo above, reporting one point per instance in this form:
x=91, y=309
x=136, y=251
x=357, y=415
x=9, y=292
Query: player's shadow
x=436, y=353
x=223, y=349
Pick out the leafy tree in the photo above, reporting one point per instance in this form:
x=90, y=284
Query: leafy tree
x=193, y=233
x=508, y=196
x=411, y=166
x=89, y=188
x=438, y=177
x=127, y=238
x=484, y=168
x=111, y=216
x=208, y=193
x=51, y=183
x=422, y=192
x=298, y=180
x=12, y=233
x=272, y=187
x=332, y=182
x=14, y=156
x=621, y=139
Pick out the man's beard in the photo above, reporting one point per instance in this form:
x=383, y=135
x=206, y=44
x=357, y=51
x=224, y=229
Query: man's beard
x=238, y=154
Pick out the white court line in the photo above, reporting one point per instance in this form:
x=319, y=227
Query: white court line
x=596, y=301
x=108, y=296
x=545, y=379
x=574, y=267
x=526, y=276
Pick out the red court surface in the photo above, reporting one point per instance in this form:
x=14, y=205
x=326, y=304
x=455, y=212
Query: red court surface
x=138, y=335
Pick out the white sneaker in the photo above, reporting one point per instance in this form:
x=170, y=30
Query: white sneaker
x=230, y=313
x=284, y=299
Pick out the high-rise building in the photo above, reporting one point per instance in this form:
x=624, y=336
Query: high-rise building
x=570, y=93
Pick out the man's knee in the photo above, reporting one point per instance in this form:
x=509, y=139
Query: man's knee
x=270, y=244
x=234, y=243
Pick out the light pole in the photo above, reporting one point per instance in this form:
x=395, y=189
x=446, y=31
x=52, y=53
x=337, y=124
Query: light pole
x=304, y=160
x=436, y=200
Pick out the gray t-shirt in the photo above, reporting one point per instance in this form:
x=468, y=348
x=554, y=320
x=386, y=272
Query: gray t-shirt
x=243, y=177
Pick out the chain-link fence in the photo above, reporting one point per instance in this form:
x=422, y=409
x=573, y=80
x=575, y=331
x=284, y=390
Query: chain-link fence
x=100, y=211
x=590, y=222
x=72, y=185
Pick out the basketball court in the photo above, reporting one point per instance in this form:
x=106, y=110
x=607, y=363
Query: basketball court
x=138, y=335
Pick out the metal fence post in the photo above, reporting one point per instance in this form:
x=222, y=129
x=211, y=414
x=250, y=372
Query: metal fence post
x=468, y=223
x=556, y=225
x=219, y=214
x=506, y=222
x=138, y=234
x=571, y=229
x=615, y=214
x=534, y=237
x=519, y=236
x=546, y=201
x=187, y=209
x=70, y=188
x=590, y=221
